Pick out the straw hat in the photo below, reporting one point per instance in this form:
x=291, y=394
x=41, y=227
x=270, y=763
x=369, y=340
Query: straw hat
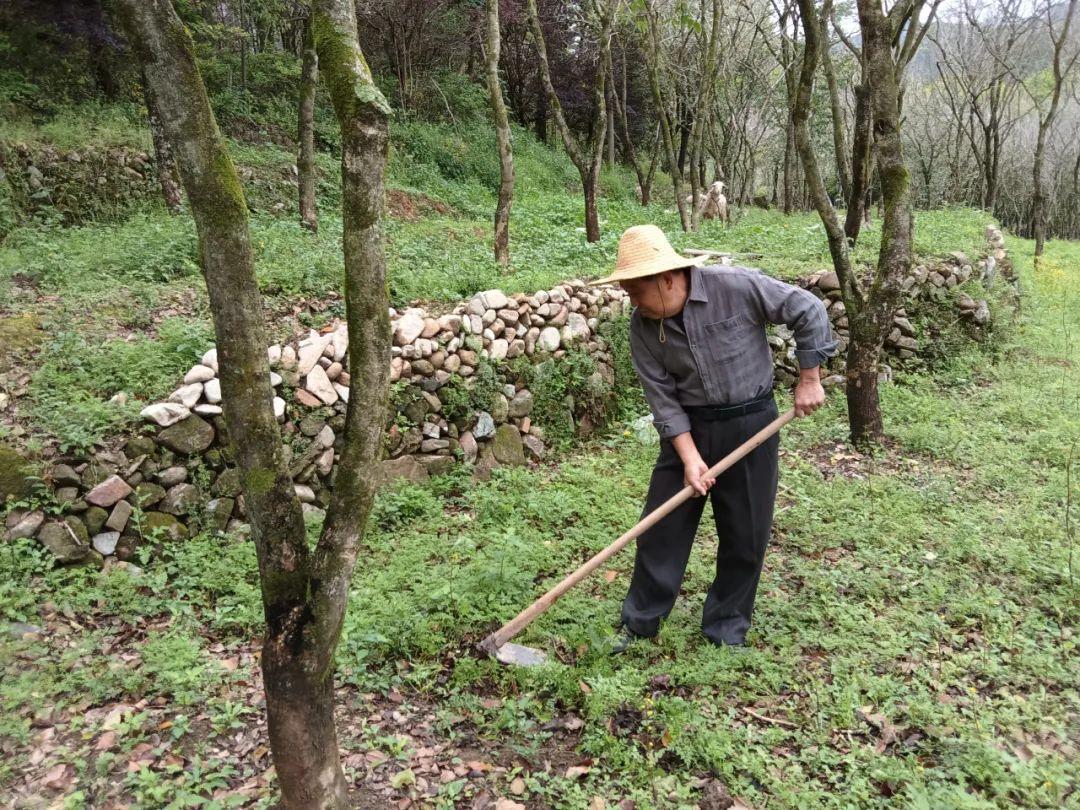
x=645, y=251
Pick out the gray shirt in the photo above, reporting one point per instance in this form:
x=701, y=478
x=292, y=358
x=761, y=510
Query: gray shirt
x=717, y=353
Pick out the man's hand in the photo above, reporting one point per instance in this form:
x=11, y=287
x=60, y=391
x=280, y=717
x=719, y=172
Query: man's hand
x=694, y=466
x=809, y=395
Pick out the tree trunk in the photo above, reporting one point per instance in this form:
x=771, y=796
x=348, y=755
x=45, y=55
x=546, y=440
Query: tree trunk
x=894, y=256
x=590, y=181
x=860, y=164
x=492, y=45
x=305, y=163
x=541, y=119
x=662, y=111
x=164, y=162
x=611, y=128
x=840, y=148
x=864, y=407
x=304, y=590
x=789, y=173
x=587, y=164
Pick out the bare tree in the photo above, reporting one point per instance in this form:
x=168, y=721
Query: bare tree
x=304, y=589
x=586, y=158
x=502, y=134
x=664, y=109
x=887, y=43
x=979, y=90
x=618, y=100
x=305, y=161
x=1065, y=55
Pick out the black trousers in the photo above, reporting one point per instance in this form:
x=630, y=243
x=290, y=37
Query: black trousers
x=742, y=501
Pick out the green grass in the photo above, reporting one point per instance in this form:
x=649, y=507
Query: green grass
x=915, y=623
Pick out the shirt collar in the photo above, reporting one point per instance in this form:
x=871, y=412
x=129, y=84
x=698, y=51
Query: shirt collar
x=697, y=286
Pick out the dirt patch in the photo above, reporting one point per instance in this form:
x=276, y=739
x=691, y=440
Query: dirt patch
x=411, y=206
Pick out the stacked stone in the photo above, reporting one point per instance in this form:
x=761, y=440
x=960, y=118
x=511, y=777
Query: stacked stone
x=176, y=477
x=902, y=342
x=48, y=177
x=494, y=327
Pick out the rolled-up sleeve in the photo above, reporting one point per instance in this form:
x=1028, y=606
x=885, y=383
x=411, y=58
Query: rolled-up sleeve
x=802, y=312
x=669, y=418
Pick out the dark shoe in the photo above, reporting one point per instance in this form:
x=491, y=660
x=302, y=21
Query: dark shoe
x=623, y=639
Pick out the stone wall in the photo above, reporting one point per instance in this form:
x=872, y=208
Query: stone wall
x=175, y=476
x=77, y=185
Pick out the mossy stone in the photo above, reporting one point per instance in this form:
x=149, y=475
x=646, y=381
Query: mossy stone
x=188, y=436
x=139, y=446
x=507, y=447
x=165, y=526
x=95, y=518
x=16, y=474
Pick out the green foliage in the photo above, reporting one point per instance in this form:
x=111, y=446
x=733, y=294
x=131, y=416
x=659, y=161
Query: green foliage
x=566, y=386
x=69, y=392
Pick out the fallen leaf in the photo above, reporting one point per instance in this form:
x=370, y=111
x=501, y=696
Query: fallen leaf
x=610, y=575
x=517, y=787
x=106, y=741
x=508, y=804
x=577, y=771
x=597, y=803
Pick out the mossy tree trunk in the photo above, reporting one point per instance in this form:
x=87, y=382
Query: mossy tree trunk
x=305, y=161
x=588, y=157
x=492, y=45
x=304, y=590
x=869, y=304
x=164, y=163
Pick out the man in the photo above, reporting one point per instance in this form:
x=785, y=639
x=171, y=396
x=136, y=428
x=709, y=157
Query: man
x=698, y=343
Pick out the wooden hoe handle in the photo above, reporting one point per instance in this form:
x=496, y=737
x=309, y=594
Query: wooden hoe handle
x=526, y=617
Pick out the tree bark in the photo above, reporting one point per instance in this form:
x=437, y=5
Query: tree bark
x=1046, y=122
x=164, y=163
x=304, y=591
x=662, y=110
x=587, y=163
x=860, y=164
x=492, y=46
x=305, y=162
x=840, y=148
x=541, y=118
x=894, y=256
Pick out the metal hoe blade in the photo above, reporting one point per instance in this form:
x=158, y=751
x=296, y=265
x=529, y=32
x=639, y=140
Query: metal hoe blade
x=520, y=655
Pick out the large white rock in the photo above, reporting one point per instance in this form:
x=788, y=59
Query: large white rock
x=273, y=354
x=493, y=299
x=577, y=328
x=212, y=391
x=187, y=395
x=198, y=374
x=498, y=349
x=342, y=391
x=319, y=384
x=340, y=342
x=165, y=413
x=409, y=327
x=311, y=350
x=549, y=339
x=210, y=359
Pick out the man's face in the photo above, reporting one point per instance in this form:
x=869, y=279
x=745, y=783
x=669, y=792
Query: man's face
x=652, y=295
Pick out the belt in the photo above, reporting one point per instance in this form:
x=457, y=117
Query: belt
x=717, y=413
